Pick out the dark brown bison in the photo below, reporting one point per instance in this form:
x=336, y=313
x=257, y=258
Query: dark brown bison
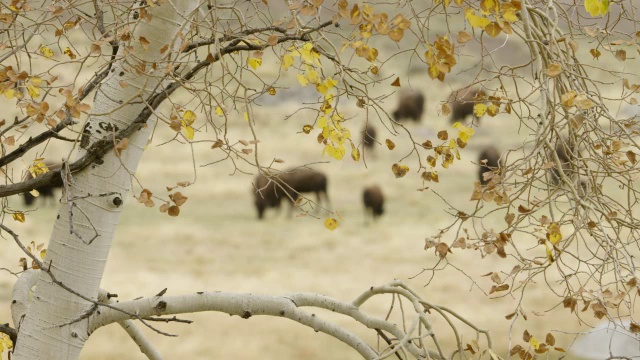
x=492, y=157
x=410, y=106
x=269, y=192
x=566, y=151
x=266, y=194
x=46, y=191
x=299, y=181
x=462, y=103
x=373, y=201
x=369, y=136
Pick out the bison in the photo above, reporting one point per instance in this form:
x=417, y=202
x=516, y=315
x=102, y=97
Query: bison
x=373, y=201
x=289, y=184
x=566, y=150
x=298, y=181
x=462, y=103
x=492, y=157
x=46, y=191
x=267, y=194
x=369, y=136
x=410, y=106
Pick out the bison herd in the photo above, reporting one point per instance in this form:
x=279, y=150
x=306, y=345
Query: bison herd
x=269, y=191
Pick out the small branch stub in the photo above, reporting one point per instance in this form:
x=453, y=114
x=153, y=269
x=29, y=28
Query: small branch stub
x=117, y=201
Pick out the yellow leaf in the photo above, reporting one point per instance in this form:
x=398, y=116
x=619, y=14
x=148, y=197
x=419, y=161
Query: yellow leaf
x=464, y=132
x=596, y=7
x=271, y=91
x=313, y=76
x=568, y=98
x=583, y=103
x=479, y=109
x=336, y=153
x=549, y=253
x=373, y=54
x=475, y=20
x=38, y=168
x=322, y=89
x=330, y=83
x=307, y=129
x=34, y=192
x=493, y=110
x=434, y=72
x=322, y=121
x=5, y=342
x=510, y=16
x=189, y=117
x=46, y=52
x=399, y=170
x=34, y=92
x=188, y=131
x=554, y=70
x=69, y=53
x=309, y=55
x=43, y=253
x=35, y=81
x=287, y=61
x=219, y=111
x=302, y=80
x=396, y=34
x=535, y=344
x=554, y=235
x=331, y=223
x=10, y=93
x=490, y=6
x=18, y=216
x=246, y=116
x=355, y=153
x=390, y=144
x=255, y=63
x=493, y=29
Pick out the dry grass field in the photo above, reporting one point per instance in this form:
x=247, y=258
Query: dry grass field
x=217, y=243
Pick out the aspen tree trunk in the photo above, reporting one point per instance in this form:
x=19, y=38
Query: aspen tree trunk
x=54, y=326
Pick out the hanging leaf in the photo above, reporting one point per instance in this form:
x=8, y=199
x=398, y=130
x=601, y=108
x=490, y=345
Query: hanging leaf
x=331, y=223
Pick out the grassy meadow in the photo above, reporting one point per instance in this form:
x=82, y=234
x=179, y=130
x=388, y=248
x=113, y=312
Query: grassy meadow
x=218, y=244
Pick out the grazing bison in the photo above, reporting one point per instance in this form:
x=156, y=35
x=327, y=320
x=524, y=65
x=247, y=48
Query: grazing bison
x=46, y=191
x=410, y=106
x=266, y=194
x=565, y=149
x=462, y=103
x=492, y=157
x=269, y=192
x=369, y=136
x=373, y=201
x=298, y=181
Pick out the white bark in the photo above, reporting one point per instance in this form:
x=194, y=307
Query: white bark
x=52, y=327
x=289, y=306
x=146, y=347
x=20, y=295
